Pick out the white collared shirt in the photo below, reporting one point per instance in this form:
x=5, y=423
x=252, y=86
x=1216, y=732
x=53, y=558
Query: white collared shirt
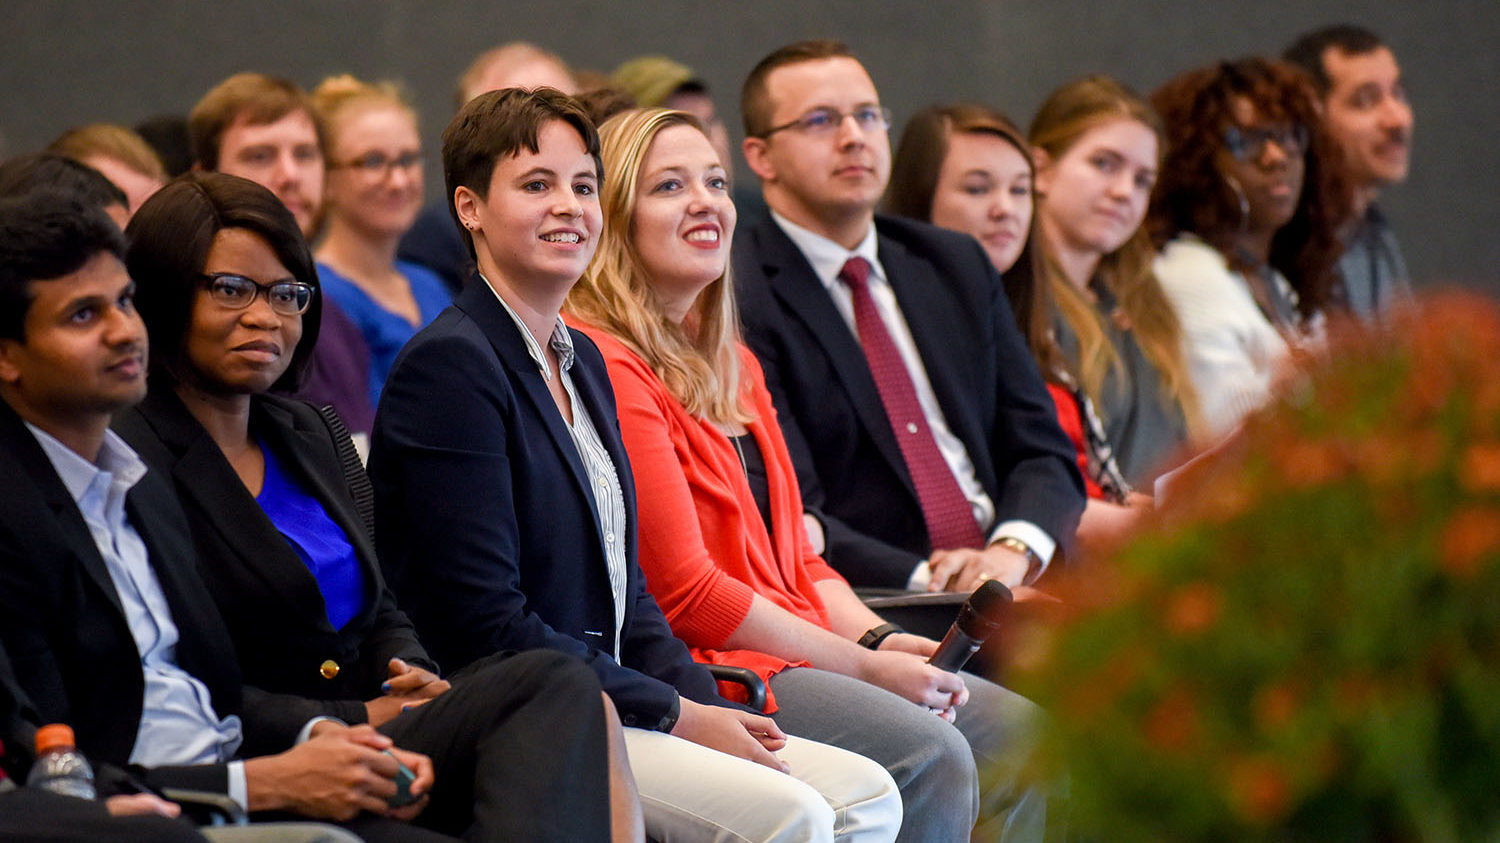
x=178, y=722
x=827, y=258
x=604, y=482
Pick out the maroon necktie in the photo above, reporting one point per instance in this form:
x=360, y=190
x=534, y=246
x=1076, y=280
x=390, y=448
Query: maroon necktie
x=950, y=519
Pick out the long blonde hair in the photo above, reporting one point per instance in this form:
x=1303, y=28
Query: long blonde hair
x=698, y=361
x=1066, y=116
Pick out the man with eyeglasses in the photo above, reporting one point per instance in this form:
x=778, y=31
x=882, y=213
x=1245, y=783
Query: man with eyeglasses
x=923, y=436
x=925, y=444
x=1366, y=111
x=265, y=129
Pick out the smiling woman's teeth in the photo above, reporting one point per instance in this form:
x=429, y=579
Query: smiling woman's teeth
x=705, y=236
x=564, y=237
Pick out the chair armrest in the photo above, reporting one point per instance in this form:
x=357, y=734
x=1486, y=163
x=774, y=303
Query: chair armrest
x=755, y=689
x=206, y=808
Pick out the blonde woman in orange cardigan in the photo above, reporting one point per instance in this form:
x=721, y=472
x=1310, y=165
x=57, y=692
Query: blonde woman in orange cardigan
x=722, y=540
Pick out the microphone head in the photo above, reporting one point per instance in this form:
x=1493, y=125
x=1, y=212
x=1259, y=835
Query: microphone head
x=991, y=596
x=979, y=617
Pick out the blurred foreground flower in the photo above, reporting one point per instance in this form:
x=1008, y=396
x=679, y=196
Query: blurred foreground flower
x=1306, y=645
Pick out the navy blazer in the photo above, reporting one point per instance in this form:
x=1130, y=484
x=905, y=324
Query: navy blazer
x=485, y=523
x=269, y=599
x=62, y=623
x=988, y=387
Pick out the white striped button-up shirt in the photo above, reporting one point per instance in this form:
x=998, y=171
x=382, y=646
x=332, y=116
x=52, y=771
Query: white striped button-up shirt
x=604, y=481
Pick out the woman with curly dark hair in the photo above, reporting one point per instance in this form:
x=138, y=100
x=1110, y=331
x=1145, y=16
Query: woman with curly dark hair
x=1246, y=210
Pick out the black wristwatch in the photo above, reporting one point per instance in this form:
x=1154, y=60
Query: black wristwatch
x=871, y=640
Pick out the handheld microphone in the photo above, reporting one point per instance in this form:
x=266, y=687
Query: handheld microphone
x=978, y=619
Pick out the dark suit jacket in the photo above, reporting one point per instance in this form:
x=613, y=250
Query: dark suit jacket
x=486, y=526
x=433, y=241
x=848, y=462
x=61, y=619
x=18, y=722
x=268, y=597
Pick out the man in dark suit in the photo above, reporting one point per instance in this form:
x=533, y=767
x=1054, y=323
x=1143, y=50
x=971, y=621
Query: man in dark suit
x=925, y=442
x=111, y=628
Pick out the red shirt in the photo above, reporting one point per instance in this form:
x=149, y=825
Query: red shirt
x=1070, y=419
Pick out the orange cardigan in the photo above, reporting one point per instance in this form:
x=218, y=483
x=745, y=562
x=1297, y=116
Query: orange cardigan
x=703, y=544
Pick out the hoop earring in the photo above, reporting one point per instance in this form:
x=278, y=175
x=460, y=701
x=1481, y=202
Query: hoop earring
x=1244, y=201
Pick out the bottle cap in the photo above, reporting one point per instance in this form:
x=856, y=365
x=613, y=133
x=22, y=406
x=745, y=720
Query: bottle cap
x=54, y=736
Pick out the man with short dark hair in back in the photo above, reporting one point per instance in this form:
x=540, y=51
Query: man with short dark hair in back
x=1366, y=111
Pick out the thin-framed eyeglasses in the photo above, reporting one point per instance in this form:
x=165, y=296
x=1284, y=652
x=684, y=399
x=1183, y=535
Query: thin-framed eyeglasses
x=1248, y=143
x=823, y=121
x=237, y=292
x=380, y=165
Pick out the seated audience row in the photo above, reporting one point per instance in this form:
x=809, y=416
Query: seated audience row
x=104, y=596
x=498, y=395
x=904, y=414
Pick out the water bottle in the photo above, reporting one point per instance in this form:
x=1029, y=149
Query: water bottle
x=59, y=766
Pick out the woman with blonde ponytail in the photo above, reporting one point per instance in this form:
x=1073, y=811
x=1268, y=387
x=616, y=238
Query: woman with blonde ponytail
x=1098, y=147
x=374, y=193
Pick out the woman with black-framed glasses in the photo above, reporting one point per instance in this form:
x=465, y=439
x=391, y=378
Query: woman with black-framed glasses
x=374, y=193
x=1246, y=210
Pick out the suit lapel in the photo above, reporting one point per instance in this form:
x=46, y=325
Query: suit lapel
x=315, y=464
x=793, y=281
x=75, y=533
x=593, y=387
x=480, y=303
x=197, y=463
x=203, y=647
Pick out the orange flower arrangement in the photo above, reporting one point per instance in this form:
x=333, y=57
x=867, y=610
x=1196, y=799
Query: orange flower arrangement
x=1305, y=645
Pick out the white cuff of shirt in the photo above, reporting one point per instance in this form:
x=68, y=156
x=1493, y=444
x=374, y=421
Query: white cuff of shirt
x=238, y=790
x=921, y=576
x=306, y=733
x=1035, y=538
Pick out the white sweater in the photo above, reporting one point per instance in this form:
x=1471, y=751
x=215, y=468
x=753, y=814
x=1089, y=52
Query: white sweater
x=1232, y=350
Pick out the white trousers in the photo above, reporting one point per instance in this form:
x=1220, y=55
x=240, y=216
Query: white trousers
x=693, y=793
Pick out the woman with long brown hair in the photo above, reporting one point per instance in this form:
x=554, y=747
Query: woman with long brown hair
x=1097, y=146
x=968, y=168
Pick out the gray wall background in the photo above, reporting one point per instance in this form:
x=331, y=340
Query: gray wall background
x=67, y=62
